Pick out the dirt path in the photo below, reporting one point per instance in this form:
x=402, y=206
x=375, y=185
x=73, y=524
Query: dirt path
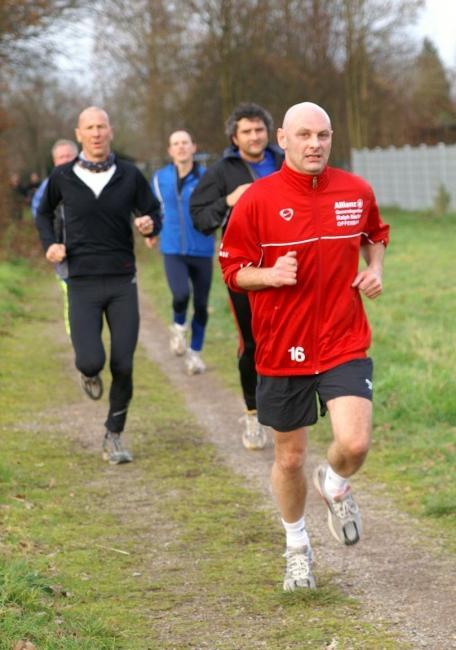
x=397, y=582
x=398, y=575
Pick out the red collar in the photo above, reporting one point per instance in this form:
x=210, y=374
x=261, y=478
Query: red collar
x=305, y=182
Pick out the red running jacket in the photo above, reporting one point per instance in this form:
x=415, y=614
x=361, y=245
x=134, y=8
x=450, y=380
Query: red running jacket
x=320, y=322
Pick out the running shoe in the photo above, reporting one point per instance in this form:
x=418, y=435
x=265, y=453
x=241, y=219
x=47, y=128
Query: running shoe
x=344, y=519
x=298, y=574
x=113, y=449
x=92, y=386
x=193, y=362
x=178, y=339
x=254, y=435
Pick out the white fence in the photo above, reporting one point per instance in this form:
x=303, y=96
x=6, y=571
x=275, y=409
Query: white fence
x=409, y=177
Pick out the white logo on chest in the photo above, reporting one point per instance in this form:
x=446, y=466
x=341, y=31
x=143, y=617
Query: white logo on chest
x=348, y=213
x=286, y=213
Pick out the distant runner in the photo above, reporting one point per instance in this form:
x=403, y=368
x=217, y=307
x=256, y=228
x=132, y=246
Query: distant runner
x=63, y=151
x=187, y=254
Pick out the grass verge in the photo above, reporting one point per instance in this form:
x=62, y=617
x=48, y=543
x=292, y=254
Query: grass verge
x=169, y=552
x=13, y=276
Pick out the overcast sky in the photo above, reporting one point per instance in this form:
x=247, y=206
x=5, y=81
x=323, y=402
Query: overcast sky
x=438, y=22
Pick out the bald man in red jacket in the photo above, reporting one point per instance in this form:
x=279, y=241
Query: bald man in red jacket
x=294, y=243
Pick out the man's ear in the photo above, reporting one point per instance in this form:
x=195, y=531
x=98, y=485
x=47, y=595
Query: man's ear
x=281, y=138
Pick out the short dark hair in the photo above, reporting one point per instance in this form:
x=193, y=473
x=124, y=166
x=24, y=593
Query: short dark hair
x=249, y=111
x=189, y=133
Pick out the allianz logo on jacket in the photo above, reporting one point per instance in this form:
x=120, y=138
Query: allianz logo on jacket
x=223, y=253
x=348, y=213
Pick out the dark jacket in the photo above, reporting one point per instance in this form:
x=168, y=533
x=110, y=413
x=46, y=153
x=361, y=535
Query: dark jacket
x=208, y=205
x=98, y=231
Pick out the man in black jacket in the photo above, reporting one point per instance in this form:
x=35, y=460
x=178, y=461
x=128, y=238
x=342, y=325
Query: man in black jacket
x=248, y=157
x=100, y=193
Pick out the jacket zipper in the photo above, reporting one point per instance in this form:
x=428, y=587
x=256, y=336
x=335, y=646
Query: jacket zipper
x=252, y=174
x=318, y=301
x=183, y=237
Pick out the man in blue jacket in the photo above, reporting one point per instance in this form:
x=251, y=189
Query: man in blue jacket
x=187, y=254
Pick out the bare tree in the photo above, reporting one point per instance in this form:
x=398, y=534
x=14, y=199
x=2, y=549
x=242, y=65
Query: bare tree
x=190, y=63
x=374, y=37
x=148, y=64
x=42, y=109
x=21, y=25
x=434, y=111
x=163, y=64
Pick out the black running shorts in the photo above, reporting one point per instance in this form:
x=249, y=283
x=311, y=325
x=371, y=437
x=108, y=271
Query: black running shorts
x=288, y=403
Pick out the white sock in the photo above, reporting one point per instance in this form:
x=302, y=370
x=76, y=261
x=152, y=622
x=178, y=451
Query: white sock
x=296, y=534
x=334, y=483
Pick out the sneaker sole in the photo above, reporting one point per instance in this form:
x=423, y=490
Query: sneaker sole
x=290, y=586
x=178, y=352
x=191, y=372
x=348, y=541
x=120, y=461
x=89, y=394
x=94, y=399
x=251, y=446
x=178, y=346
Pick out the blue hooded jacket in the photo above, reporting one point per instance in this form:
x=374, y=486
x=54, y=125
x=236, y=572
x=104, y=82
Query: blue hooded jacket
x=178, y=235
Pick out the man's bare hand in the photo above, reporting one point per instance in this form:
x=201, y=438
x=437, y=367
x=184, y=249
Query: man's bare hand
x=150, y=241
x=56, y=253
x=369, y=282
x=144, y=224
x=233, y=198
x=284, y=272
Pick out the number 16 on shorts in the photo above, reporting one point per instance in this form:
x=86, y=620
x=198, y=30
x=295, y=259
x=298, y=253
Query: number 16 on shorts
x=297, y=353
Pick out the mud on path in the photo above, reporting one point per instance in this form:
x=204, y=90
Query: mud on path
x=399, y=576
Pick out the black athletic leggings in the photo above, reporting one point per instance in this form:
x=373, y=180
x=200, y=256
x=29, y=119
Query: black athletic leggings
x=116, y=297
x=180, y=271
x=246, y=354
